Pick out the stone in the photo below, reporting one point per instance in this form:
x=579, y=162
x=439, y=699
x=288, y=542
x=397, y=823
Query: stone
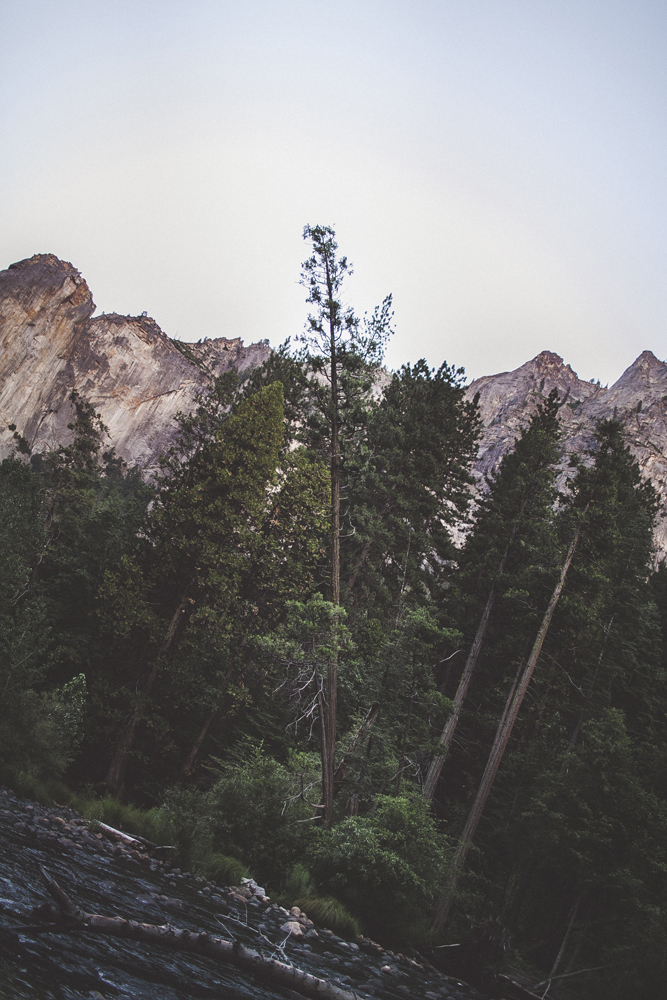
x=294, y=928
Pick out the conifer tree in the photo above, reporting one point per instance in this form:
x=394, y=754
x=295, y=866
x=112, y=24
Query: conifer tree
x=203, y=526
x=597, y=513
x=516, y=512
x=344, y=355
x=410, y=486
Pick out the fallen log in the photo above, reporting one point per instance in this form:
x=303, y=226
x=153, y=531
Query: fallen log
x=68, y=916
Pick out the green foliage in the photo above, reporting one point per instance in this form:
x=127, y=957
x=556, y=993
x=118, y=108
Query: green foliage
x=254, y=809
x=410, y=484
x=184, y=623
x=385, y=867
x=150, y=824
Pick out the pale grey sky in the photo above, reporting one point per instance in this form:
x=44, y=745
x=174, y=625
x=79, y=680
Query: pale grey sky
x=498, y=165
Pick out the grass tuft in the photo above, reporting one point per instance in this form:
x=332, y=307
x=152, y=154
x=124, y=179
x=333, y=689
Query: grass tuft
x=329, y=912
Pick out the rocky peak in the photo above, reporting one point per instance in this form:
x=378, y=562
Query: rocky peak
x=501, y=394
x=638, y=399
x=134, y=375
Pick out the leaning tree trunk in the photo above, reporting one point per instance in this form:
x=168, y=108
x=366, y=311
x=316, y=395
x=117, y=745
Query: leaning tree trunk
x=447, y=734
x=500, y=742
x=118, y=767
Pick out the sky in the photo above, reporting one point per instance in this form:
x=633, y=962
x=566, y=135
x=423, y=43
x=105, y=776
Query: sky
x=499, y=166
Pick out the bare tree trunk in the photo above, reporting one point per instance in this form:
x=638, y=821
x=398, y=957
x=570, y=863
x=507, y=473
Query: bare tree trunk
x=206, y=725
x=561, y=952
x=68, y=917
x=447, y=734
x=500, y=742
x=194, y=749
x=117, y=768
x=327, y=776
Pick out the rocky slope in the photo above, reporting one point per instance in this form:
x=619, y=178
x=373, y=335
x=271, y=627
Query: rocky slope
x=138, y=379
x=638, y=399
x=102, y=873
x=133, y=374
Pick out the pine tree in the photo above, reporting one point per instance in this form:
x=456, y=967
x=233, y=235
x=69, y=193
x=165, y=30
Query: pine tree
x=344, y=356
x=515, y=513
x=596, y=515
x=203, y=528
x=411, y=485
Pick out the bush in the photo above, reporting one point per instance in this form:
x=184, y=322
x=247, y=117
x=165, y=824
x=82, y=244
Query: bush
x=253, y=809
x=386, y=867
x=152, y=824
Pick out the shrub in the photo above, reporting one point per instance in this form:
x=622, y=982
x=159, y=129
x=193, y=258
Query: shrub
x=386, y=867
x=253, y=809
x=299, y=884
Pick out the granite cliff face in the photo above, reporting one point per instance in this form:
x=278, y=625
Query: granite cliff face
x=638, y=399
x=139, y=379
x=133, y=374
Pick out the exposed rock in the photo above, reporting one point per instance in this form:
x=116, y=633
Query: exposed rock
x=638, y=399
x=131, y=372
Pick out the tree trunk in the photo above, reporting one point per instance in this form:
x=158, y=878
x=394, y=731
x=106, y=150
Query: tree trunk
x=406, y=734
x=118, y=767
x=67, y=916
x=194, y=750
x=447, y=734
x=331, y=697
x=500, y=742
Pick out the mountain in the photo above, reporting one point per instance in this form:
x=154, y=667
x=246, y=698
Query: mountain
x=638, y=399
x=139, y=379
x=132, y=373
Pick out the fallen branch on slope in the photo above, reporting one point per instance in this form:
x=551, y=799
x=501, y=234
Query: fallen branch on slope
x=68, y=916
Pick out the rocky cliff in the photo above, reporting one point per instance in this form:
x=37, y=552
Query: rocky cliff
x=133, y=374
x=638, y=399
x=138, y=379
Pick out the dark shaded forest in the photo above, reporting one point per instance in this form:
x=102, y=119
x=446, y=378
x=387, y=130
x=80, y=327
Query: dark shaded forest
x=306, y=650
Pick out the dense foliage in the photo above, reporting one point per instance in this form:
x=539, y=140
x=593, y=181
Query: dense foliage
x=190, y=641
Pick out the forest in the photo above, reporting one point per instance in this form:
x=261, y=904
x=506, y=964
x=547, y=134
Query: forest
x=309, y=649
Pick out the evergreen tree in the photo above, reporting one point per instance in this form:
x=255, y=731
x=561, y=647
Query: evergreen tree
x=344, y=356
x=204, y=529
x=598, y=512
x=410, y=485
x=515, y=513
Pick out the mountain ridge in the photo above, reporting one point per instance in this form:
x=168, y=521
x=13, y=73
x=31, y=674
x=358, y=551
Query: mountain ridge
x=139, y=379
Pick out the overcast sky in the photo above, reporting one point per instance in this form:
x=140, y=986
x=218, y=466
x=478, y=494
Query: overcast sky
x=498, y=165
